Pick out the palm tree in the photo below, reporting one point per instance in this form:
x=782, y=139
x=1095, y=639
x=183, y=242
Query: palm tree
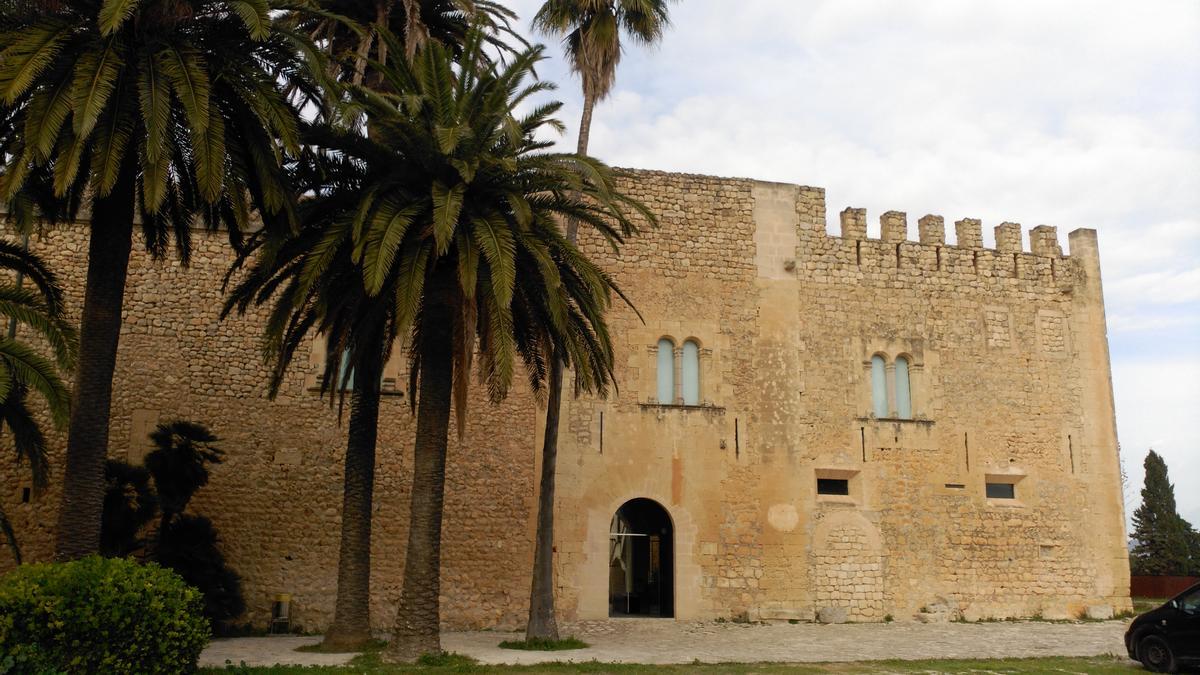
x=327, y=297
x=348, y=31
x=591, y=31
x=173, y=109
x=441, y=227
x=24, y=369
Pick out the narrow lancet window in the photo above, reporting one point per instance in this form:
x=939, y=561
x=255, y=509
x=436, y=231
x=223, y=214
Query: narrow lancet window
x=666, y=371
x=690, y=373
x=345, y=381
x=879, y=402
x=903, y=390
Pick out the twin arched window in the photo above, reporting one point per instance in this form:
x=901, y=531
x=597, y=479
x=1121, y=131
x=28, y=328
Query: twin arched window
x=666, y=371
x=900, y=402
x=689, y=372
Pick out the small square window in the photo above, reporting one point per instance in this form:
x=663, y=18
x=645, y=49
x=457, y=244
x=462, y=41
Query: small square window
x=833, y=486
x=1001, y=491
x=26, y=493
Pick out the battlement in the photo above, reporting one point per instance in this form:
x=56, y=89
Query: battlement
x=968, y=232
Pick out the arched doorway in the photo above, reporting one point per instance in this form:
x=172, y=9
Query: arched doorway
x=641, y=561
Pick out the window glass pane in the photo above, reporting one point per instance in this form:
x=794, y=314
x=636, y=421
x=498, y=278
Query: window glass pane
x=879, y=387
x=833, y=486
x=691, y=373
x=1001, y=491
x=342, y=377
x=666, y=371
x=903, y=390
x=1190, y=603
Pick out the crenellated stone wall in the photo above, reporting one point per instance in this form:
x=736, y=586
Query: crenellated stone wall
x=1005, y=351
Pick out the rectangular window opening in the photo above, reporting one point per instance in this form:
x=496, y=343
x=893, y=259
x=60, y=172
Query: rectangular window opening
x=1001, y=490
x=833, y=486
x=26, y=494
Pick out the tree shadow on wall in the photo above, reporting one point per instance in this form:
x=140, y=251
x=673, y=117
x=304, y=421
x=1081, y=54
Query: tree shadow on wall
x=183, y=542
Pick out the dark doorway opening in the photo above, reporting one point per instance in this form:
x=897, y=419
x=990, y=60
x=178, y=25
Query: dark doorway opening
x=641, y=561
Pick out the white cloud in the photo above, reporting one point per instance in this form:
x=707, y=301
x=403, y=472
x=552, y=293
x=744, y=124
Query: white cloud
x=1164, y=394
x=1064, y=112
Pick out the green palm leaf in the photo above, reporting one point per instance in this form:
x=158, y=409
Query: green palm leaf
x=27, y=307
x=388, y=228
x=255, y=14
x=48, y=111
x=69, y=151
x=33, y=370
x=208, y=144
x=96, y=74
x=186, y=70
x=154, y=99
x=108, y=152
x=447, y=205
x=27, y=54
x=495, y=242
x=113, y=13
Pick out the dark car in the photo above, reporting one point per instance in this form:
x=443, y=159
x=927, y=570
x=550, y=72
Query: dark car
x=1167, y=638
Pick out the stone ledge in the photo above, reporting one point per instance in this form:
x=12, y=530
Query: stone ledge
x=898, y=420
x=720, y=410
x=384, y=393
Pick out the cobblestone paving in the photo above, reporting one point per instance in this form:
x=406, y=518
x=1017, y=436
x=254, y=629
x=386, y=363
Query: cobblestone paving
x=664, y=641
x=658, y=641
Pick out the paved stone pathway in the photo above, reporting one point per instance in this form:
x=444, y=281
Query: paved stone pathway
x=664, y=641
x=267, y=651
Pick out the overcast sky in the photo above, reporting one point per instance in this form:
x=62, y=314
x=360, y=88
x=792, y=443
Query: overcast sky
x=1074, y=114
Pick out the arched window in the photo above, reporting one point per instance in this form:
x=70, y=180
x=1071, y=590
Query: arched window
x=879, y=399
x=666, y=371
x=903, y=390
x=690, y=373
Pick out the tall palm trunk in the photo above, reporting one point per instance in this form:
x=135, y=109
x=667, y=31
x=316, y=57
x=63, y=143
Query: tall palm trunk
x=109, y=246
x=542, y=622
x=418, y=619
x=581, y=148
x=351, y=628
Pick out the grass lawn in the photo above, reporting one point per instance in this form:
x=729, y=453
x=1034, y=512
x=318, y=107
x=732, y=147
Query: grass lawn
x=320, y=648
x=1141, y=605
x=544, y=645
x=369, y=664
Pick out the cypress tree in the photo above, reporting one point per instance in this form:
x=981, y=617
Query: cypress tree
x=1164, y=543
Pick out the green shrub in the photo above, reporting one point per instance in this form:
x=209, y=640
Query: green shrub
x=99, y=615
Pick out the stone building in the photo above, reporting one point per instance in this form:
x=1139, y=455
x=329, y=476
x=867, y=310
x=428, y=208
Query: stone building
x=806, y=423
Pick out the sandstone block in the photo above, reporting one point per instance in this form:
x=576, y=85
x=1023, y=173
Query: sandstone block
x=969, y=233
x=786, y=614
x=893, y=226
x=832, y=615
x=1099, y=612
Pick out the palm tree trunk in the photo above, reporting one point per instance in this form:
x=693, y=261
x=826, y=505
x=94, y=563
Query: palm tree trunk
x=585, y=132
x=351, y=628
x=542, y=622
x=418, y=618
x=109, y=246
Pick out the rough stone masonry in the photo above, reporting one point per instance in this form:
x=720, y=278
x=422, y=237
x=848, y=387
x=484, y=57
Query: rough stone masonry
x=990, y=488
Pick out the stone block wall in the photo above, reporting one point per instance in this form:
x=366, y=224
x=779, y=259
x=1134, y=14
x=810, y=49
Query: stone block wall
x=276, y=500
x=1009, y=376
